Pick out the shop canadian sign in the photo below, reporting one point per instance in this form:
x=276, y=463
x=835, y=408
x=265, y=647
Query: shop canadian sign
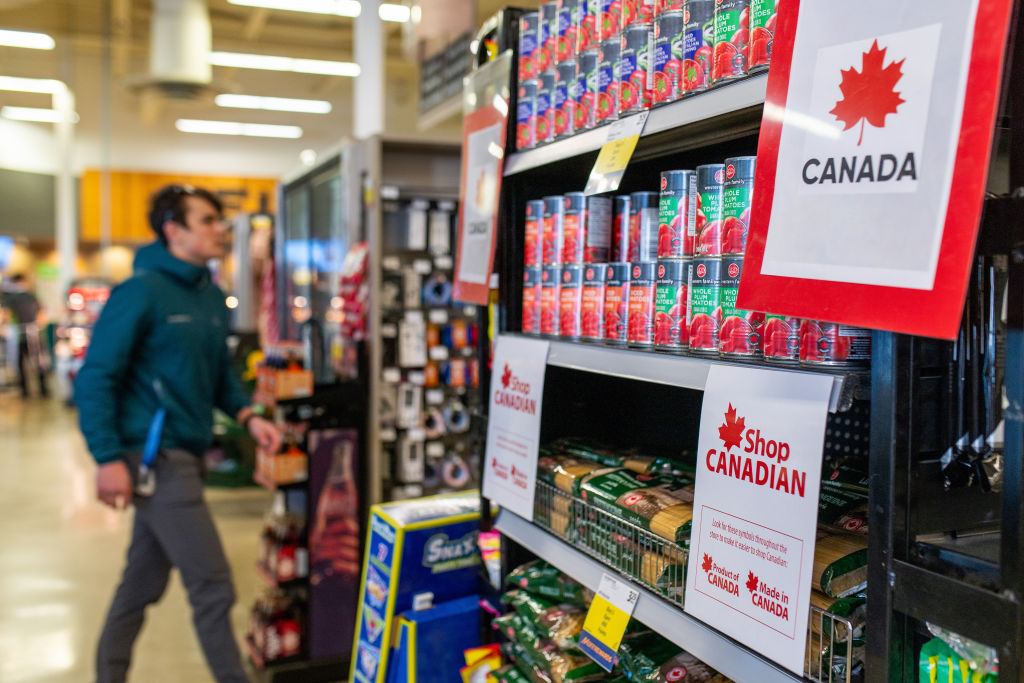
x=755, y=507
x=513, y=423
x=872, y=162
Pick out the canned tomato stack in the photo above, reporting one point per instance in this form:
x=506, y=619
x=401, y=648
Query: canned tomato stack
x=677, y=203
x=740, y=334
x=698, y=44
x=669, y=29
x=732, y=40
x=763, y=15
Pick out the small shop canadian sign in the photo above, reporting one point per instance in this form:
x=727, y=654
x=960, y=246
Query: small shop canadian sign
x=872, y=162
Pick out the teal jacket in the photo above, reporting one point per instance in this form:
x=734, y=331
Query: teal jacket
x=161, y=340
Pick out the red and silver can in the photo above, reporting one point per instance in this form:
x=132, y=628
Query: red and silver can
x=636, y=81
x=740, y=333
x=667, y=63
x=568, y=29
x=643, y=226
x=587, y=38
x=587, y=228
x=668, y=6
x=533, y=244
x=529, y=34
x=608, y=81
x=552, y=230
x=642, y=285
x=571, y=301
x=620, y=230
x=763, y=14
x=586, y=90
x=704, y=313
x=637, y=12
x=526, y=115
x=698, y=44
x=677, y=210
x=563, y=103
x=608, y=20
x=550, y=300
x=737, y=196
x=671, y=298
x=574, y=232
x=592, y=308
x=823, y=343
x=732, y=40
x=780, y=339
x=544, y=128
x=548, y=36
x=708, y=228
x=531, y=299
x=616, y=303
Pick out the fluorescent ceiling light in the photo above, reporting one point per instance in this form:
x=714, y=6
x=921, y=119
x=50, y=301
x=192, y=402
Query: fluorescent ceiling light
x=33, y=114
x=257, y=130
x=389, y=12
x=41, y=85
x=341, y=8
x=271, y=63
x=273, y=104
x=35, y=41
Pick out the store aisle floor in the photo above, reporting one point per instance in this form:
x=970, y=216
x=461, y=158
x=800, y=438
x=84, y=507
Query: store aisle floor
x=62, y=554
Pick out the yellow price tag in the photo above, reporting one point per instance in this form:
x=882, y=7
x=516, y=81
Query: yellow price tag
x=607, y=620
x=612, y=160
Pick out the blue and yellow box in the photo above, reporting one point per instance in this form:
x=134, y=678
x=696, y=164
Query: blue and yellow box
x=413, y=547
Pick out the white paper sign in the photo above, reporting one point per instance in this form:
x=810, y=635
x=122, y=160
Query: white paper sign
x=756, y=507
x=481, y=204
x=513, y=425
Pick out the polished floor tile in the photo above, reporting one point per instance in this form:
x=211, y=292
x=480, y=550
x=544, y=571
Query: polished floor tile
x=61, y=554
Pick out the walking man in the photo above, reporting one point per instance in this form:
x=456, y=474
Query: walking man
x=157, y=365
x=25, y=311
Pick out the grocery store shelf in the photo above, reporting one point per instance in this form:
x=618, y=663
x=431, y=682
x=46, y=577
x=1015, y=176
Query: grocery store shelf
x=699, y=639
x=706, y=106
x=689, y=372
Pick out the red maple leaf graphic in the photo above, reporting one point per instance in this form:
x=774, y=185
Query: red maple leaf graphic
x=731, y=432
x=869, y=95
x=707, y=563
x=751, y=582
x=506, y=376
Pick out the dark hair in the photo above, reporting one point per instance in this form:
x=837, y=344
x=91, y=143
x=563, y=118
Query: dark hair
x=18, y=277
x=169, y=205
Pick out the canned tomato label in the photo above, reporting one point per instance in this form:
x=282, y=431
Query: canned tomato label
x=531, y=299
x=671, y=298
x=823, y=343
x=574, y=233
x=598, y=230
x=643, y=226
x=740, y=333
x=698, y=44
x=676, y=214
x=608, y=80
x=544, y=129
x=609, y=16
x=592, y=308
x=586, y=90
x=668, y=56
x=708, y=216
x=533, y=245
x=642, y=285
x=668, y=6
x=637, y=12
x=732, y=37
x=528, y=37
x=550, y=300
x=571, y=301
x=548, y=35
x=762, y=32
x=568, y=29
x=780, y=338
x=635, y=81
x=704, y=311
x=737, y=193
x=563, y=104
x=552, y=230
x=616, y=303
x=526, y=113
x=620, y=230
x=588, y=38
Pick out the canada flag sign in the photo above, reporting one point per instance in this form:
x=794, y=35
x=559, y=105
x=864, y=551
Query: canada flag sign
x=872, y=162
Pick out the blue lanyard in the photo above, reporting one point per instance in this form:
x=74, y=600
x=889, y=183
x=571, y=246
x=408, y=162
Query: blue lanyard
x=156, y=428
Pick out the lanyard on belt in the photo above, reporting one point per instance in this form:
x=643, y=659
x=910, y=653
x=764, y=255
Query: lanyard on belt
x=147, y=475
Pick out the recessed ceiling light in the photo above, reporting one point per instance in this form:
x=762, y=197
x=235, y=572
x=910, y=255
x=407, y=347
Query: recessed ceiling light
x=272, y=63
x=33, y=114
x=273, y=104
x=307, y=157
x=258, y=130
x=397, y=13
x=40, y=85
x=341, y=8
x=34, y=41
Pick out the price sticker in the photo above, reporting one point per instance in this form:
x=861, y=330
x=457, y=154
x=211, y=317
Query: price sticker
x=433, y=397
x=438, y=353
x=615, y=154
x=606, y=621
x=423, y=266
x=438, y=316
x=417, y=378
x=391, y=375
x=443, y=262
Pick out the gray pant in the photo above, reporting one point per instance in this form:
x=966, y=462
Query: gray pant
x=173, y=528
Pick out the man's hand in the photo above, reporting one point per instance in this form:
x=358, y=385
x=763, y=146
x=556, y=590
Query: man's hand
x=266, y=434
x=114, y=484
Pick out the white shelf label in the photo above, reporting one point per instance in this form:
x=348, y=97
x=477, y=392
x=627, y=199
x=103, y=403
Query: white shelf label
x=438, y=353
x=435, y=449
x=416, y=377
x=434, y=397
x=438, y=316
x=423, y=266
x=443, y=262
x=391, y=263
x=391, y=375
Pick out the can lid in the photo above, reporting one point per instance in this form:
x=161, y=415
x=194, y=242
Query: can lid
x=740, y=167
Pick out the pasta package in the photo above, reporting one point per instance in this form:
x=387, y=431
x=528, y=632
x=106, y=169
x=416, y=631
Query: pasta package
x=840, y=564
x=653, y=659
x=564, y=472
x=661, y=504
x=842, y=510
x=667, y=575
x=632, y=459
x=828, y=629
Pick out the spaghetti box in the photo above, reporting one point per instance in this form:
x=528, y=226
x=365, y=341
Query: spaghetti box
x=413, y=547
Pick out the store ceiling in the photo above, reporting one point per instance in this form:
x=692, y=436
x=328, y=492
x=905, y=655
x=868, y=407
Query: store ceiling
x=103, y=47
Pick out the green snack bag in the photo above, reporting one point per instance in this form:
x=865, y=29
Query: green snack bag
x=508, y=674
x=542, y=579
x=662, y=504
x=940, y=663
